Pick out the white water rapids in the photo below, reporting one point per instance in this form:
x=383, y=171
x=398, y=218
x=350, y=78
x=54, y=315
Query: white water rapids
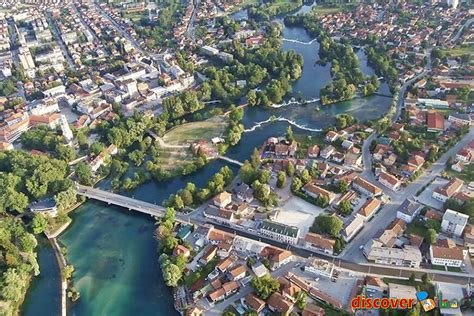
x=281, y=119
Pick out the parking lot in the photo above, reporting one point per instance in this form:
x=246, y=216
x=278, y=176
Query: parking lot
x=297, y=212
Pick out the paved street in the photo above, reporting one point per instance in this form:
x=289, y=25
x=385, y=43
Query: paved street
x=388, y=212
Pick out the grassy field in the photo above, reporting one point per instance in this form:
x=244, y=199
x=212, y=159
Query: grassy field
x=175, y=158
x=319, y=10
x=190, y=132
x=460, y=50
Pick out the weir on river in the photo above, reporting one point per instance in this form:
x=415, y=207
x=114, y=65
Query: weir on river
x=299, y=42
x=281, y=119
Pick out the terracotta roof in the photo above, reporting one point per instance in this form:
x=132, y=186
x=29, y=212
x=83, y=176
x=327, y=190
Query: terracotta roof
x=311, y=187
x=222, y=197
x=432, y=214
x=389, y=178
x=238, y=270
x=435, y=121
x=279, y=303
x=416, y=161
x=416, y=240
x=367, y=186
x=451, y=187
x=397, y=226
x=369, y=207
x=219, y=235
x=455, y=253
x=254, y=302
x=230, y=286
x=312, y=310
x=275, y=254
x=320, y=241
x=224, y=264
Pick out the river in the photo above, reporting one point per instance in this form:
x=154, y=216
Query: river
x=114, y=251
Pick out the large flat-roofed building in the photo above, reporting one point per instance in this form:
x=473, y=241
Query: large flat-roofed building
x=408, y=256
x=447, y=256
x=280, y=232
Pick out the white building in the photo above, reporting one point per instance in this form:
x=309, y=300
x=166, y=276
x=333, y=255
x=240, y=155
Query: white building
x=408, y=256
x=319, y=267
x=352, y=227
x=281, y=232
x=453, y=3
x=454, y=222
x=451, y=257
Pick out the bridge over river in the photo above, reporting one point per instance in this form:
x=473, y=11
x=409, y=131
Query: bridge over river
x=120, y=200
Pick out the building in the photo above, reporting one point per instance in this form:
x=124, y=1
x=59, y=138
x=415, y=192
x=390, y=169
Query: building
x=369, y=208
x=352, y=227
x=254, y=303
x=222, y=199
x=259, y=269
x=408, y=210
x=280, y=232
x=238, y=272
x=460, y=119
x=454, y=222
x=434, y=122
x=408, y=256
x=220, y=215
x=389, y=181
x=445, y=192
x=13, y=125
x=319, y=243
x=44, y=207
x=447, y=256
x=453, y=3
x=365, y=187
x=314, y=191
x=312, y=310
x=278, y=257
x=278, y=304
x=327, y=151
x=320, y=267
x=332, y=136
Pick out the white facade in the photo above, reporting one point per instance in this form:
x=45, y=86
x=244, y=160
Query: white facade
x=454, y=222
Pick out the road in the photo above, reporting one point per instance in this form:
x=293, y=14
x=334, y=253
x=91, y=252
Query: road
x=460, y=31
x=119, y=29
x=388, y=212
x=366, y=268
x=88, y=28
x=191, y=30
x=59, y=39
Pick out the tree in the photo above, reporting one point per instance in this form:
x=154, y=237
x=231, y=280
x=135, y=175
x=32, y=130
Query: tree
x=289, y=133
x=255, y=158
x=296, y=185
x=425, y=279
x=300, y=298
x=171, y=274
x=65, y=199
x=343, y=186
x=290, y=169
x=345, y=207
x=39, y=224
x=412, y=277
x=247, y=172
x=281, y=179
x=265, y=286
x=67, y=272
x=327, y=224
x=187, y=197
x=431, y=236
x=264, y=176
x=84, y=173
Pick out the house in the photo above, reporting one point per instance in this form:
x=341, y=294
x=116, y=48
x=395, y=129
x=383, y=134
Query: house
x=338, y=157
x=460, y=119
x=320, y=243
x=254, y=303
x=280, y=232
x=209, y=254
x=244, y=193
x=312, y=310
x=316, y=192
x=259, y=269
x=222, y=199
x=416, y=162
x=224, y=264
x=327, y=151
x=447, y=256
x=365, y=187
x=369, y=208
x=238, y=272
x=389, y=181
x=454, y=222
x=220, y=215
x=331, y=136
x=319, y=267
x=434, y=122
x=464, y=155
x=225, y=291
x=352, y=227
x=408, y=210
x=181, y=250
x=353, y=160
x=44, y=207
x=380, y=150
x=278, y=304
x=445, y=192
x=469, y=239
x=5, y=146
x=313, y=151
x=277, y=257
